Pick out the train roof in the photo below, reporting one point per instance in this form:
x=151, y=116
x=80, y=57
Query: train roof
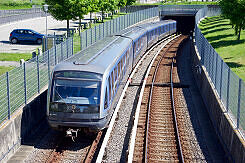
x=152, y=25
x=101, y=55
x=132, y=33
x=97, y=57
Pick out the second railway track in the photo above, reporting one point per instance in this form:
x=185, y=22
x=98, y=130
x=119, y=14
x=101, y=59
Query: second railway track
x=157, y=138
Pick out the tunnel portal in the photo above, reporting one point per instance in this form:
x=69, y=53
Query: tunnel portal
x=185, y=24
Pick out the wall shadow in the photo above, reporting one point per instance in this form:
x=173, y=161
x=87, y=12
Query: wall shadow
x=219, y=37
x=225, y=43
x=215, y=30
x=215, y=26
x=234, y=64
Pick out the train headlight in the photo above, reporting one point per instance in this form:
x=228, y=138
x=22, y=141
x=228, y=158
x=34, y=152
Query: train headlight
x=53, y=107
x=91, y=110
x=87, y=109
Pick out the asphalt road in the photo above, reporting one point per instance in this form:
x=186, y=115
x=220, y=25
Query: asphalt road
x=37, y=24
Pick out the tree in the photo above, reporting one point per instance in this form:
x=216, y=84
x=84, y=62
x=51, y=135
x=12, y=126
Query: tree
x=103, y=6
x=129, y=3
x=80, y=8
x=234, y=10
x=61, y=10
x=121, y=3
x=112, y=7
x=93, y=7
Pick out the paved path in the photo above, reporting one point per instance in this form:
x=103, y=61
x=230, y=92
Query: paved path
x=9, y=63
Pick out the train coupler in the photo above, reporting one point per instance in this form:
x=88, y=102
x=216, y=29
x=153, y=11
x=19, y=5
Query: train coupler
x=72, y=133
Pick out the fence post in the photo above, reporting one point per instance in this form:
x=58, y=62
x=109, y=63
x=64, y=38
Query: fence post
x=216, y=69
x=91, y=35
x=54, y=42
x=48, y=67
x=95, y=34
x=55, y=58
x=228, y=90
x=72, y=48
x=110, y=28
x=124, y=21
x=61, y=49
x=38, y=79
x=67, y=49
x=113, y=25
x=8, y=94
x=81, y=42
x=221, y=76
x=86, y=37
x=25, y=82
x=239, y=102
x=103, y=30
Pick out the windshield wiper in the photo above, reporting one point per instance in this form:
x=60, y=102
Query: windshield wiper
x=61, y=97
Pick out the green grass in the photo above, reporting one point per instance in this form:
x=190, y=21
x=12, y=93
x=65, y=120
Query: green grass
x=18, y=4
x=15, y=56
x=220, y=34
x=4, y=69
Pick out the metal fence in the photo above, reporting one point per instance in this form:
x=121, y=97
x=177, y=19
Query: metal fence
x=230, y=88
x=90, y=36
x=22, y=83
x=8, y=16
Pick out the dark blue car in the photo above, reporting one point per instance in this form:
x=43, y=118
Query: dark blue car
x=25, y=35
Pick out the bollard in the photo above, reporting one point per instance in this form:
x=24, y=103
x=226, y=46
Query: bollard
x=34, y=54
x=39, y=51
x=22, y=61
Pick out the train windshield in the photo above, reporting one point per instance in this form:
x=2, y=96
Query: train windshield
x=75, y=90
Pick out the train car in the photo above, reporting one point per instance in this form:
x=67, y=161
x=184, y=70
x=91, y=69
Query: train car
x=83, y=90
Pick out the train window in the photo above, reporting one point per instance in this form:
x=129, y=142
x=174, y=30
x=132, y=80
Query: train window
x=115, y=73
x=106, y=99
x=119, y=68
x=122, y=63
x=134, y=47
x=112, y=82
x=109, y=87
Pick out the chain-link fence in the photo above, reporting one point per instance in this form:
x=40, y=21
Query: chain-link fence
x=90, y=36
x=22, y=83
x=230, y=88
x=8, y=16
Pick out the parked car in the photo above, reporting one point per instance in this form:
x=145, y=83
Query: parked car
x=25, y=35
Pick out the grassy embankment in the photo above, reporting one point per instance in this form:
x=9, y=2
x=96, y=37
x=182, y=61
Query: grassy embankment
x=18, y=4
x=9, y=5
x=220, y=34
x=12, y=57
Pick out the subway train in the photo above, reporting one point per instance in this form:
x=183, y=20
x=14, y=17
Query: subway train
x=82, y=90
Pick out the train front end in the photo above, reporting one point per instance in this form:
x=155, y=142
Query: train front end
x=74, y=100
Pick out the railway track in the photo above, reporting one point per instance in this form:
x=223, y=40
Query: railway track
x=115, y=145
x=80, y=150
x=158, y=137
x=56, y=147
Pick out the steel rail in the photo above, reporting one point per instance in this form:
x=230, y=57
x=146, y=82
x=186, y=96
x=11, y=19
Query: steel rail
x=133, y=136
x=112, y=121
x=181, y=158
x=93, y=148
x=149, y=100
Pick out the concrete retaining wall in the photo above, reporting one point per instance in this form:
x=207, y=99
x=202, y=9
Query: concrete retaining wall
x=230, y=137
x=21, y=124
